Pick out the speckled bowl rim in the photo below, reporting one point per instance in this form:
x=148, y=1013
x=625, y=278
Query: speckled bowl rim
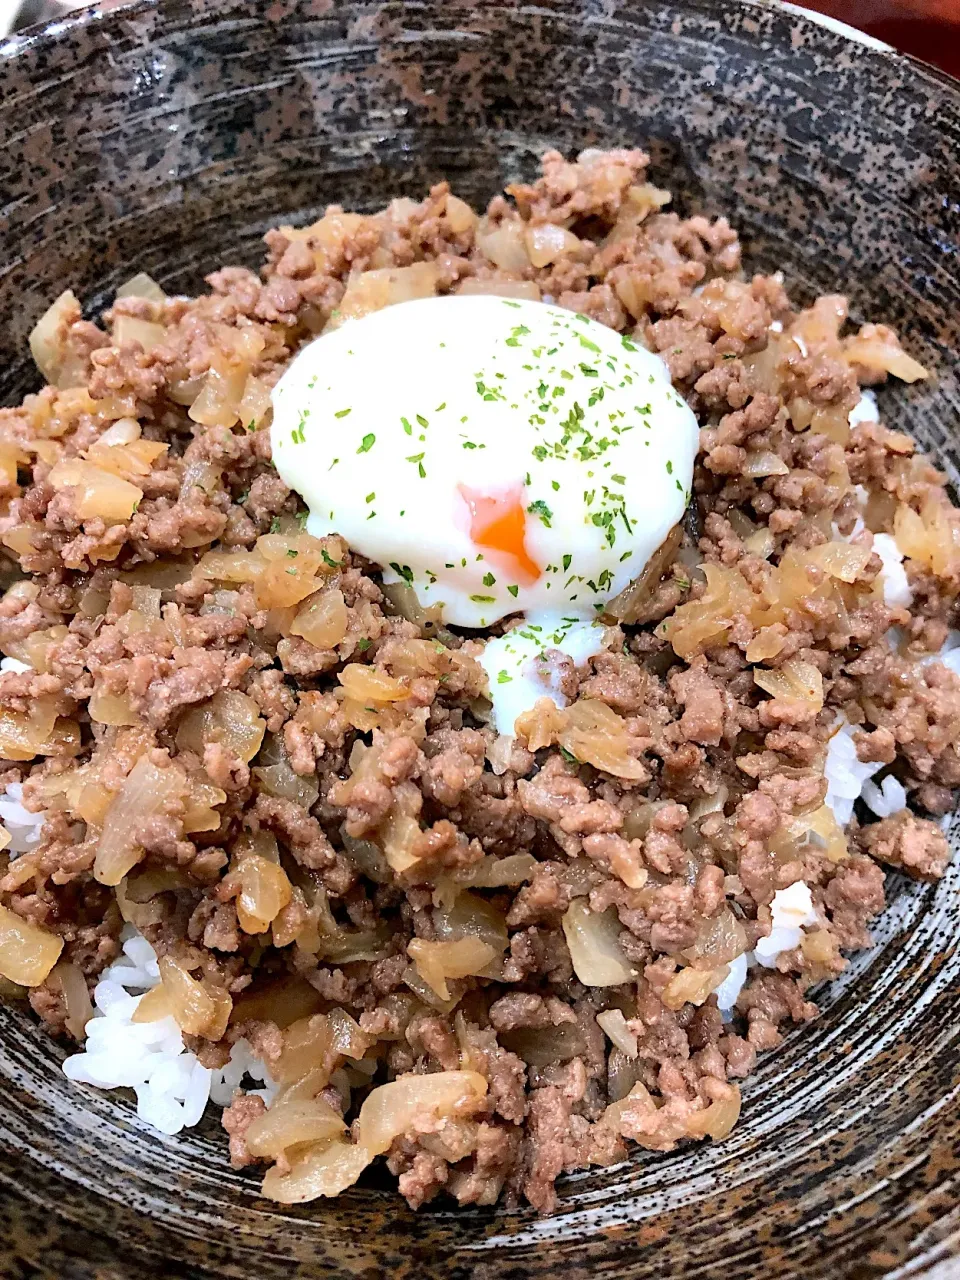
x=906, y=924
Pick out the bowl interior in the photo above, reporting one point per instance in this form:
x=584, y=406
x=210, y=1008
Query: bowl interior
x=168, y=137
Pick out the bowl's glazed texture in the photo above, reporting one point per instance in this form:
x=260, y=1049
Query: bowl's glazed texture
x=167, y=137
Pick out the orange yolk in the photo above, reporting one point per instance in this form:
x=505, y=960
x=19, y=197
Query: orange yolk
x=498, y=522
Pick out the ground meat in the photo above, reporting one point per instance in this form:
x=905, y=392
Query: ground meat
x=853, y=896
x=545, y=1146
x=237, y=1119
x=315, y=851
x=702, y=719
x=525, y=1009
x=915, y=845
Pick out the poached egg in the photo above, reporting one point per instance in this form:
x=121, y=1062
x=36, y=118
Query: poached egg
x=501, y=456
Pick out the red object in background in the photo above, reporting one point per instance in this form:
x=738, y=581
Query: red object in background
x=929, y=29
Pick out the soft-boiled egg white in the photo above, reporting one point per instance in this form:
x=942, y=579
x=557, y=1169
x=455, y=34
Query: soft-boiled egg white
x=502, y=456
x=517, y=664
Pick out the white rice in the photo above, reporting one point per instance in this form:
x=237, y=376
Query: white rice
x=24, y=827
x=730, y=988
x=171, y=1084
x=893, y=576
x=14, y=665
x=791, y=910
x=896, y=588
x=845, y=774
x=887, y=798
x=865, y=410
x=243, y=1062
x=850, y=779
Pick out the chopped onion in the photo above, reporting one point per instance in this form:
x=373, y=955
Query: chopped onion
x=367, y=684
x=366, y=856
x=390, y=1110
x=630, y=603
x=546, y=242
x=692, y=986
x=795, y=681
x=406, y=602
x=100, y=493
x=348, y=1039
x=255, y=403
x=147, y=333
x=198, y=1008
x=716, y=1120
x=501, y=288
x=142, y=286
x=111, y=708
x=229, y=718
x=843, y=560
x=593, y=939
x=543, y=1046
x=322, y=619
x=760, y=544
x=720, y=939
x=614, y=1024
x=291, y=1122
x=384, y=287
x=146, y=791
x=473, y=917
x=48, y=344
x=504, y=244
x=764, y=463
x=425, y=993
x=76, y=997
x=318, y=1171
x=877, y=348
x=460, y=217
x=595, y=734
x=23, y=735
x=280, y=780
x=27, y=952
x=264, y=891
x=307, y=1044
x=11, y=456
x=437, y=961
x=283, y=1000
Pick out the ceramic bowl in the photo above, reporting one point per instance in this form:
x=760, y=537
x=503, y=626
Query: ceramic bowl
x=167, y=136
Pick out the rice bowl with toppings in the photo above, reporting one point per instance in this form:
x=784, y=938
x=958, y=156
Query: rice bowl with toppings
x=278, y=840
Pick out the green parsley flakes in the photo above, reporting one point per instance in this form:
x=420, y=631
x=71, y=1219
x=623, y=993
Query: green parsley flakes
x=540, y=508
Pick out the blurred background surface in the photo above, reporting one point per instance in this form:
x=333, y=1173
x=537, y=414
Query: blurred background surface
x=929, y=29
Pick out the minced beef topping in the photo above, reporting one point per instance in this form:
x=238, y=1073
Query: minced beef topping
x=281, y=772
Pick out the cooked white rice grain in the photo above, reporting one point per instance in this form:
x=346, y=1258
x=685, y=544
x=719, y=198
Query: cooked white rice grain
x=896, y=588
x=845, y=773
x=791, y=910
x=24, y=827
x=14, y=665
x=171, y=1084
x=887, y=798
x=730, y=988
x=865, y=410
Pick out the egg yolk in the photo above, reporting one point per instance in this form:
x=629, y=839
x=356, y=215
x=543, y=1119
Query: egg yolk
x=498, y=522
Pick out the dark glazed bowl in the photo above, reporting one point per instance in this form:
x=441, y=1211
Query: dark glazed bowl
x=168, y=137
